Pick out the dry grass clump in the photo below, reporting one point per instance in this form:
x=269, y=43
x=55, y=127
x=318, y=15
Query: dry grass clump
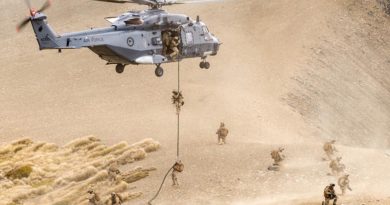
x=45, y=173
x=19, y=172
x=149, y=145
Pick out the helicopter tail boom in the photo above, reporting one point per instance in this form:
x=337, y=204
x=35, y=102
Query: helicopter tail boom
x=46, y=37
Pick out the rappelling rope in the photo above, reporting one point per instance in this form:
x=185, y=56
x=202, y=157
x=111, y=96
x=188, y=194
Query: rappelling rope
x=178, y=109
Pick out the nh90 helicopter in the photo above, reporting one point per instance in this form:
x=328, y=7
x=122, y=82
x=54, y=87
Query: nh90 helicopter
x=151, y=36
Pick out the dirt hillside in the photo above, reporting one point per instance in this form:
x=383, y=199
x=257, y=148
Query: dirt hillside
x=291, y=73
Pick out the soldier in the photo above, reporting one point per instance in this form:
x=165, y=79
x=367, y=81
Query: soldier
x=166, y=40
x=336, y=166
x=93, y=198
x=173, y=44
x=177, y=99
x=329, y=149
x=178, y=167
x=330, y=194
x=222, y=132
x=277, y=156
x=113, y=173
x=115, y=199
x=344, y=183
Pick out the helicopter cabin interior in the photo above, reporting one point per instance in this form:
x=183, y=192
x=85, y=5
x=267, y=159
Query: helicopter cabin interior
x=170, y=41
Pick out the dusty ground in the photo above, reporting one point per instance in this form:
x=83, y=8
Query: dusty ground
x=290, y=73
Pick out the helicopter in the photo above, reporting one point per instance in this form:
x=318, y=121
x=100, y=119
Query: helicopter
x=152, y=36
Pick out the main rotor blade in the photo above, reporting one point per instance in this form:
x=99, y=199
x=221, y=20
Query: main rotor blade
x=28, y=3
x=114, y=1
x=141, y=2
x=22, y=24
x=193, y=1
x=45, y=6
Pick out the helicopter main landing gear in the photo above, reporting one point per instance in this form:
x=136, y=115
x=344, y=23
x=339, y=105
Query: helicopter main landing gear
x=159, y=71
x=120, y=68
x=204, y=64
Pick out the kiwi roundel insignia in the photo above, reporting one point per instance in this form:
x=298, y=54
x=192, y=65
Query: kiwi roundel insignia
x=130, y=41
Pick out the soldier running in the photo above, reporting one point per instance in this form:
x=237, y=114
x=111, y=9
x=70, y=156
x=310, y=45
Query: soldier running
x=93, y=198
x=330, y=149
x=336, y=166
x=330, y=194
x=344, y=183
x=177, y=168
x=222, y=133
x=277, y=156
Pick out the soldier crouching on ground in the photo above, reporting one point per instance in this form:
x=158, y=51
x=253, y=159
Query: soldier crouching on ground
x=222, y=133
x=113, y=173
x=330, y=194
x=329, y=149
x=93, y=198
x=344, y=184
x=177, y=168
x=115, y=199
x=277, y=156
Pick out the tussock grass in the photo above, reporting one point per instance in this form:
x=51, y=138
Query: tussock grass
x=19, y=172
x=46, y=174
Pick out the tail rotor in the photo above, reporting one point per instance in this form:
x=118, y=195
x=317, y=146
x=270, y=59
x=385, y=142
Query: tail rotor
x=33, y=12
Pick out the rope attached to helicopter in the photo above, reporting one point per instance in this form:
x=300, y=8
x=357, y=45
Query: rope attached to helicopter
x=178, y=101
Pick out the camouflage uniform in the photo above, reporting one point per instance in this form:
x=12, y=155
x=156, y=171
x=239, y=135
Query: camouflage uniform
x=166, y=40
x=178, y=167
x=330, y=194
x=93, y=198
x=329, y=149
x=173, y=46
x=344, y=183
x=277, y=156
x=222, y=132
x=115, y=199
x=177, y=100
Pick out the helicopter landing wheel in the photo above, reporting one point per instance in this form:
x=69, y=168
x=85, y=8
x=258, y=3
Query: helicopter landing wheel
x=206, y=65
x=159, y=71
x=201, y=64
x=120, y=68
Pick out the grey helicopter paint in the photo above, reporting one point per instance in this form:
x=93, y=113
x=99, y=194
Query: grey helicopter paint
x=135, y=37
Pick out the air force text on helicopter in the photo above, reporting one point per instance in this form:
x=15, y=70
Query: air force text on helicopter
x=93, y=39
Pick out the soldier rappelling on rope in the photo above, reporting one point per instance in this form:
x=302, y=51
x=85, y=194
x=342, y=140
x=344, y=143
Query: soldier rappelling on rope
x=177, y=100
x=177, y=168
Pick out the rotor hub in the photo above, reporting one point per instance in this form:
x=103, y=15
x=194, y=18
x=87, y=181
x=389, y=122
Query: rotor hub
x=33, y=12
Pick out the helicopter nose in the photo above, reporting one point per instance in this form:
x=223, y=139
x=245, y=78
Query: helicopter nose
x=216, y=45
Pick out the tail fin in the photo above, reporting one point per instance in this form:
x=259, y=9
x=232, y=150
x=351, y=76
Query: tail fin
x=46, y=37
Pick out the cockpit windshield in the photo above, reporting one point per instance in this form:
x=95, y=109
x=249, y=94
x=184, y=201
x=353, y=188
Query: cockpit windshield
x=205, y=29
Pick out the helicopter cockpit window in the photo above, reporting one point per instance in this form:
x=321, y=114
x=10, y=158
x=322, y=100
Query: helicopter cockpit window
x=205, y=29
x=134, y=21
x=189, y=38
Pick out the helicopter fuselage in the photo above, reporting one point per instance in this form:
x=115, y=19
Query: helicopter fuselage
x=134, y=38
